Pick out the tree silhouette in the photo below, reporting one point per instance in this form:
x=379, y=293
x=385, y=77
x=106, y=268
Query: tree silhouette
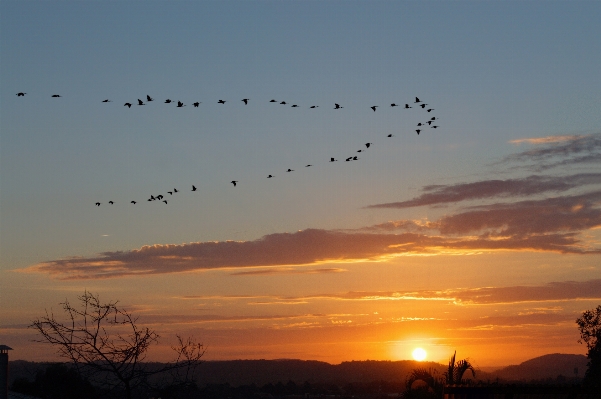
x=455, y=370
x=106, y=345
x=590, y=334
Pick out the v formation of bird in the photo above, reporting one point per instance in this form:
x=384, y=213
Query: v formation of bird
x=430, y=123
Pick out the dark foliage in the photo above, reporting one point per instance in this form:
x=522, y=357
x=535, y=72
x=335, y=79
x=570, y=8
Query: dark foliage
x=58, y=381
x=590, y=334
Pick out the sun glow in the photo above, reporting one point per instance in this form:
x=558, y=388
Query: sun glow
x=419, y=354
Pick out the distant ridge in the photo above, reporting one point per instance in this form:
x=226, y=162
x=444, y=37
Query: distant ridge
x=543, y=367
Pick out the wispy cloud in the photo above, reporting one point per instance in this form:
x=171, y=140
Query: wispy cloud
x=288, y=270
x=551, y=224
x=531, y=185
x=546, y=140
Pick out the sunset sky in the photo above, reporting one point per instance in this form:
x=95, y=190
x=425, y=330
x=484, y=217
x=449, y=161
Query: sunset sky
x=482, y=235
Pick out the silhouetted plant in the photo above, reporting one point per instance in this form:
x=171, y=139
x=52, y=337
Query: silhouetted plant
x=455, y=370
x=106, y=345
x=590, y=334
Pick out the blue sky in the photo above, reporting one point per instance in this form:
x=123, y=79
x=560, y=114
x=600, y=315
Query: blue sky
x=493, y=72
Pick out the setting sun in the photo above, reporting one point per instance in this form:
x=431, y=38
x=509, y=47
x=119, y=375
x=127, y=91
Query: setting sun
x=419, y=354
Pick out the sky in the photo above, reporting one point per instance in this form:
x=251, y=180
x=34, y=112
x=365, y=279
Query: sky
x=481, y=235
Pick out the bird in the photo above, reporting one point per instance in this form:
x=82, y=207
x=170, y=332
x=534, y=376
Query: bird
x=348, y=159
x=107, y=101
x=433, y=127
x=270, y=176
x=360, y=151
x=245, y=101
x=418, y=130
x=193, y=187
x=407, y=106
x=152, y=198
x=419, y=124
x=295, y=106
x=196, y=104
x=430, y=109
x=165, y=201
x=368, y=144
x=160, y=197
x=140, y=102
x=55, y=95
x=175, y=190
x=273, y=101
x=390, y=135
x=333, y=160
x=98, y=204
x=423, y=105
x=221, y=102
x=417, y=100
x=393, y=105
x=180, y=104
x=290, y=170
x=148, y=199
x=168, y=101
x=133, y=202
x=111, y=202
x=429, y=122
x=306, y=166
x=148, y=98
x=355, y=158
x=234, y=182
x=433, y=118
x=170, y=192
x=337, y=106
x=283, y=103
x=374, y=107
x=314, y=106
x=127, y=105
x=21, y=94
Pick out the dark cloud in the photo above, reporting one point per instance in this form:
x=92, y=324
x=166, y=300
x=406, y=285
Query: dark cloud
x=567, y=147
x=552, y=224
x=531, y=185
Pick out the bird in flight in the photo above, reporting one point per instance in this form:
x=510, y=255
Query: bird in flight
x=355, y=158
x=165, y=201
x=314, y=106
x=290, y=170
x=348, y=159
x=308, y=166
x=193, y=187
x=168, y=101
x=111, y=202
x=21, y=94
x=423, y=105
x=374, y=107
x=433, y=127
x=175, y=190
x=140, y=102
x=270, y=176
x=337, y=106
x=221, y=102
x=390, y=135
x=98, y=204
x=418, y=130
x=407, y=106
x=180, y=104
x=430, y=109
x=127, y=105
x=417, y=100
x=133, y=202
x=368, y=144
x=245, y=101
x=196, y=104
x=234, y=182
x=170, y=192
x=333, y=160
x=55, y=95
x=273, y=101
x=283, y=103
x=295, y=106
x=107, y=101
x=148, y=98
x=393, y=105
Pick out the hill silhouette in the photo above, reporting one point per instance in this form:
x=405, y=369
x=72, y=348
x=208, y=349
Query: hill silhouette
x=543, y=367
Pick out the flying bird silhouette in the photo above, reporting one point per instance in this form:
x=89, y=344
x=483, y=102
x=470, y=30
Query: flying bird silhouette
x=98, y=204
x=107, y=101
x=168, y=101
x=170, y=192
x=374, y=107
x=21, y=94
x=393, y=105
x=175, y=190
x=234, y=182
x=270, y=176
x=430, y=109
x=165, y=201
x=283, y=103
x=148, y=98
x=245, y=101
x=127, y=105
x=314, y=106
x=140, y=102
x=290, y=170
x=133, y=202
x=407, y=106
x=221, y=102
x=294, y=106
x=306, y=166
x=333, y=160
x=273, y=101
x=368, y=144
x=196, y=104
x=55, y=95
x=180, y=104
x=417, y=100
x=418, y=130
x=390, y=135
x=337, y=106
x=423, y=105
x=193, y=188
x=111, y=202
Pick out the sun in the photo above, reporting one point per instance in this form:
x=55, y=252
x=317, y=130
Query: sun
x=419, y=354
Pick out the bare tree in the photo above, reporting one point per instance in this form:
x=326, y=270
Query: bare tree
x=106, y=344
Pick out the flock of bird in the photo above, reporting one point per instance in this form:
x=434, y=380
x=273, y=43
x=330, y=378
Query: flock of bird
x=431, y=123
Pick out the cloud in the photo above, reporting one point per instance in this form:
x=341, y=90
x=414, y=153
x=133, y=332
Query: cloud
x=552, y=224
x=531, y=185
x=288, y=270
x=569, y=150
x=546, y=140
